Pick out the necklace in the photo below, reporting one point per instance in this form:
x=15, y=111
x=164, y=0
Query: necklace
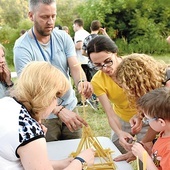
x=51, y=57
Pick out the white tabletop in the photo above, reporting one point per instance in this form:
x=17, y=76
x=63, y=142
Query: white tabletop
x=62, y=149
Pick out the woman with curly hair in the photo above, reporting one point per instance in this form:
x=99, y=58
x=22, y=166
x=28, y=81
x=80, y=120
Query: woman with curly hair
x=102, y=52
x=138, y=74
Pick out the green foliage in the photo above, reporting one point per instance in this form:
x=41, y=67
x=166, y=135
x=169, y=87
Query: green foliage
x=94, y=9
x=9, y=35
x=136, y=25
x=24, y=24
x=11, y=12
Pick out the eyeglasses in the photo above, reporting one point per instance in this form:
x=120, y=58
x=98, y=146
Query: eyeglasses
x=59, y=101
x=147, y=121
x=107, y=63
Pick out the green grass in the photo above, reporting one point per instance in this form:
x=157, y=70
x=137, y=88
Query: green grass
x=97, y=120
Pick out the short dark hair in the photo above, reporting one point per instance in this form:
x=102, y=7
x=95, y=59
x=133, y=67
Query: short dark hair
x=95, y=25
x=156, y=103
x=34, y=3
x=22, y=31
x=101, y=43
x=59, y=27
x=79, y=21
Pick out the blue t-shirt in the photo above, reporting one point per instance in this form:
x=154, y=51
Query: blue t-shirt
x=3, y=90
x=26, y=50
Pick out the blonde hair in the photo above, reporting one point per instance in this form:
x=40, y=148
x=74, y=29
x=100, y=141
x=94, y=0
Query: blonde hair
x=38, y=85
x=137, y=74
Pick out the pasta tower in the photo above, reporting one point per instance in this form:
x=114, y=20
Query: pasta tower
x=88, y=140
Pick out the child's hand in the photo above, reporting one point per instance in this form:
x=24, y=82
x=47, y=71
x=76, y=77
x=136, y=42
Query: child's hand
x=138, y=150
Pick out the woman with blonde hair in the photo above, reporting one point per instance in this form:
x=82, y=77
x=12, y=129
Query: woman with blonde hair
x=5, y=74
x=23, y=144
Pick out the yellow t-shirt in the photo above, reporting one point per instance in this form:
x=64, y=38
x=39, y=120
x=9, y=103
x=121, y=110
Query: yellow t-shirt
x=103, y=84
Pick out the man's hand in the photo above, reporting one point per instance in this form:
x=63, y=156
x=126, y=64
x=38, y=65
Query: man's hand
x=72, y=120
x=85, y=89
x=128, y=157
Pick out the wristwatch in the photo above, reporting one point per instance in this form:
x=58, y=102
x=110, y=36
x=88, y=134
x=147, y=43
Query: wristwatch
x=84, y=163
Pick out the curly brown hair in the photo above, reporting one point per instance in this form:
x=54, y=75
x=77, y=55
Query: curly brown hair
x=138, y=74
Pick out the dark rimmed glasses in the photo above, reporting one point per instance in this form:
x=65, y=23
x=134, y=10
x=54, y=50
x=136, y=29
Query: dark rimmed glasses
x=107, y=63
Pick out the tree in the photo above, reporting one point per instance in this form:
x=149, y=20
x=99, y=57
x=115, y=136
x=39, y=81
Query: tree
x=12, y=12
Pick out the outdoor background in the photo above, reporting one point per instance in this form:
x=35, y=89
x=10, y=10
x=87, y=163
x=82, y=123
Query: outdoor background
x=135, y=25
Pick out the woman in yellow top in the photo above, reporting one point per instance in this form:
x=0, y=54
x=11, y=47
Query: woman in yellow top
x=102, y=52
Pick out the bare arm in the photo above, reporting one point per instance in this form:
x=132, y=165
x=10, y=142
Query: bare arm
x=84, y=53
x=79, y=45
x=84, y=88
x=39, y=158
x=138, y=150
x=114, y=121
x=149, y=136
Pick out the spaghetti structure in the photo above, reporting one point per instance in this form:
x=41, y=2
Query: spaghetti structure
x=103, y=157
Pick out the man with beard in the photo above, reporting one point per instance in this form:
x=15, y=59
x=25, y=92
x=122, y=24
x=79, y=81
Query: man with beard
x=45, y=43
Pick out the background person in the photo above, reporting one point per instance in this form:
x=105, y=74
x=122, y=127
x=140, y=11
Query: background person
x=102, y=52
x=44, y=43
x=66, y=29
x=79, y=36
x=22, y=32
x=5, y=74
x=95, y=30
x=156, y=108
x=168, y=39
x=33, y=99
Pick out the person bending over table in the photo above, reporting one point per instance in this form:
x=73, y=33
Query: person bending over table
x=138, y=74
x=43, y=42
x=22, y=135
x=102, y=52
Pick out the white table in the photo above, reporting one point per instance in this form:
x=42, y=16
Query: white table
x=62, y=149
